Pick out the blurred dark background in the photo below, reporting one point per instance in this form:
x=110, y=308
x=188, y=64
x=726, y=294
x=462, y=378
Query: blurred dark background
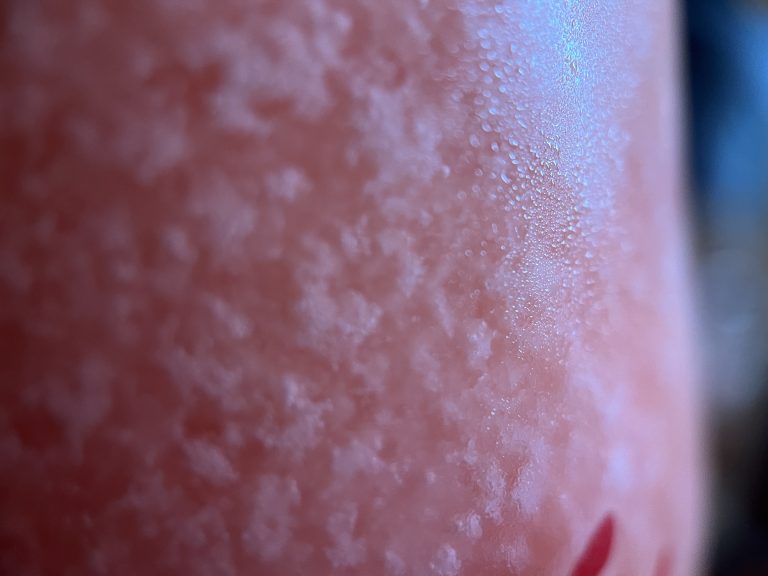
x=727, y=49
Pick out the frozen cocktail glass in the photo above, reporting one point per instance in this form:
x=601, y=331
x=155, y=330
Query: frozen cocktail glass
x=312, y=287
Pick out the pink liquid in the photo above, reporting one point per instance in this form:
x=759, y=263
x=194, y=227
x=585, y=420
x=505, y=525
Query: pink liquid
x=381, y=288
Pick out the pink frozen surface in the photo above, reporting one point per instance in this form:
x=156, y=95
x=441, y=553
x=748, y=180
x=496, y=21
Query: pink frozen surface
x=331, y=287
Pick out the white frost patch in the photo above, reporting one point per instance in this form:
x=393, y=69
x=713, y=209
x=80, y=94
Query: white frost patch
x=284, y=57
x=318, y=309
x=176, y=241
x=395, y=565
x=411, y=271
x=269, y=530
x=165, y=145
x=356, y=457
x=515, y=553
x=287, y=184
x=336, y=319
x=528, y=489
x=347, y=550
x=443, y=311
x=323, y=263
x=480, y=338
x=445, y=562
x=203, y=530
x=222, y=379
x=356, y=240
x=404, y=142
x=234, y=113
x=302, y=430
x=230, y=216
x=373, y=371
x=425, y=364
x=237, y=325
x=395, y=242
x=471, y=525
x=344, y=320
x=533, y=443
x=208, y=461
x=391, y=241
x=494, y=492
x=470, y=452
